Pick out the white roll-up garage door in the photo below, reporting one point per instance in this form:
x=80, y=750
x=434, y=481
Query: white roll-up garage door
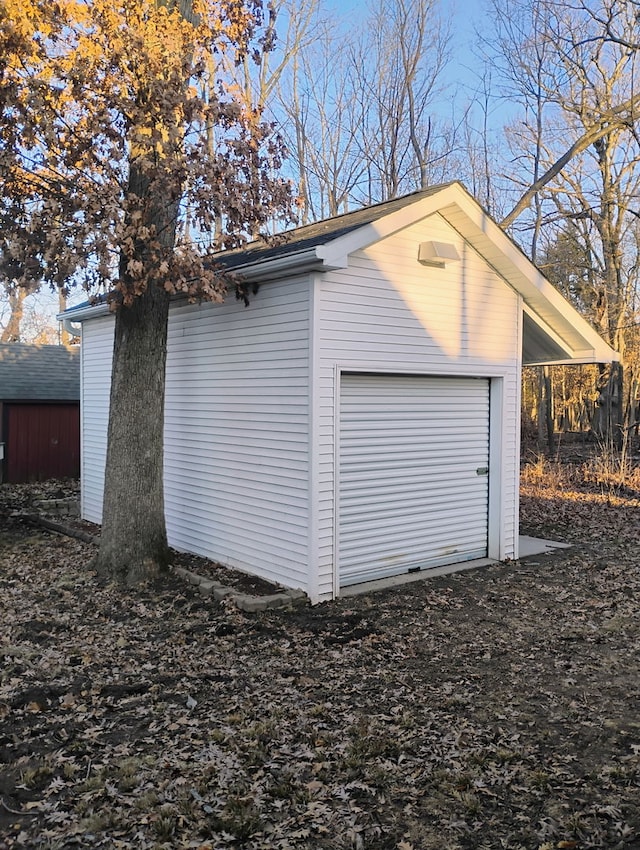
x=414, y=483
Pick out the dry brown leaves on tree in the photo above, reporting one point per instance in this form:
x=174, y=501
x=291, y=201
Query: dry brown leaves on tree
x=492, y=708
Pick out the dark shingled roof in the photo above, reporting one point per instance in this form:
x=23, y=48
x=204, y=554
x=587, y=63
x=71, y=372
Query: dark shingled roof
x=39, y=372
x=305, y=237
x=319, y=233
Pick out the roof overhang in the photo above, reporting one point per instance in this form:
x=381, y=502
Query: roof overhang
x=84, y=311
x=553, y=330
x=294, y=263
x=541, y=346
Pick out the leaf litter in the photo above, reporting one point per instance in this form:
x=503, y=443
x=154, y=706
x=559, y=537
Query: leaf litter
x=495, y=708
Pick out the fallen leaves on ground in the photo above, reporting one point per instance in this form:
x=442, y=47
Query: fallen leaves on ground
x=491, y=708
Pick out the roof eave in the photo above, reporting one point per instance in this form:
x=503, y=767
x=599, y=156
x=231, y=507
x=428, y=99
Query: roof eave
x=337, y=250
x=553, y=349
x=298, y=262
x=545, y=303
x=261, y=271
x=572, y=329
x=84, y=311
x=580, y=359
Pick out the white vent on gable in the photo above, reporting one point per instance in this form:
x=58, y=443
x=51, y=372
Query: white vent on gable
x=437, y=254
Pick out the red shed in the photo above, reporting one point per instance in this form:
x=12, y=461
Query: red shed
x=39, y=412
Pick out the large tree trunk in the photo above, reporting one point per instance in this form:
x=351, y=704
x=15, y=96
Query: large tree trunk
x=133, y=544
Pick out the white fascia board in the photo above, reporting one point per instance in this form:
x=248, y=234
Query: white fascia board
x=335, y=253
x=278, y=267
x=545, y=302
x=80, y=314
x=558, y=311
x=599, y=354
x=562, y=322
x=579, y=358
x=549, y=331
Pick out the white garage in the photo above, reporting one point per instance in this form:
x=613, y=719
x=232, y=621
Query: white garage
x=361, y=417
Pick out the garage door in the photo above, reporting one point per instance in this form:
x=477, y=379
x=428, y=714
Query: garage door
x=414, y=484
x=43, y=441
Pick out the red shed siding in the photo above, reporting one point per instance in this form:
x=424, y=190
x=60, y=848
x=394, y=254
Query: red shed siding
x=42, y=441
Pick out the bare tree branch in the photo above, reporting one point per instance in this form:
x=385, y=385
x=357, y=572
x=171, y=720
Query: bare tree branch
x=618, y=117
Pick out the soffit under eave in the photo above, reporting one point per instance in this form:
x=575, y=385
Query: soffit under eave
x=541, y=346
x=538, y=346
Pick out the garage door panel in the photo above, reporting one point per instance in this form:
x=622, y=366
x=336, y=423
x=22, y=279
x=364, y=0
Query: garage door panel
x=395, y=477
x=367, y=436
x=43, y=441
x=411, y=496
x=448, y=490
x=386, y=427
x=406, y=512
x=421, y=446
x=448, y=532
x=448, y=523
x=390, y=451
x=389, y=473
x=413, y=551
x=409, y=559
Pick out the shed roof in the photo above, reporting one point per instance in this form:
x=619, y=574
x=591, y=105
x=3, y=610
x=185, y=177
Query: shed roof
x=553, y=330
x=39, y=372
x=310, y=236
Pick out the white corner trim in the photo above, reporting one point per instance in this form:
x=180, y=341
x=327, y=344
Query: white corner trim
x=496, y=534
x=313, y=578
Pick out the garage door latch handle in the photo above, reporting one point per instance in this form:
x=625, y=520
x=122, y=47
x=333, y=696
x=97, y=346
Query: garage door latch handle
x=482, y=470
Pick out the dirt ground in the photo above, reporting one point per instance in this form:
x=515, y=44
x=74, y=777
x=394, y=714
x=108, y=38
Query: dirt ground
x=496, y=708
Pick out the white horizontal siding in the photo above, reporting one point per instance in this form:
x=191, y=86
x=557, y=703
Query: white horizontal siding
x=388, y=313
x=97, y=355
x=236, y=432
x=236, y=461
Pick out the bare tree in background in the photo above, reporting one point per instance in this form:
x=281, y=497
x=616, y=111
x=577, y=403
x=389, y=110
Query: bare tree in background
x=290, y=30
x=584, y=154
x=399, y=62
x=520, y=51
x=599, y=191
x=323, y=111
x=521, y=54
x=360, y=108
x=11, y=332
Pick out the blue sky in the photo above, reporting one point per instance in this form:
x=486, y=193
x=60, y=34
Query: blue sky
x=464, y=14
x=465, y=68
